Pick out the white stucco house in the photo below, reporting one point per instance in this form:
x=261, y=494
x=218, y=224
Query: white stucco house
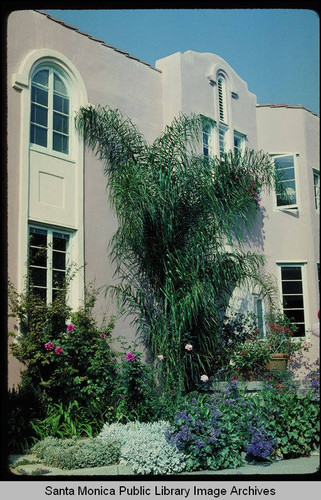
x=56, y=188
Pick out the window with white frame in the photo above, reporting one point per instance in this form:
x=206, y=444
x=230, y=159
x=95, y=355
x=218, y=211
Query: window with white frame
x=239, y=142
x=50, y=111
x=293, y=295
x=258, y=306
x=208, y=139
x=48, y=260
x=286, y=190
x=222, y=139
x=316, y=185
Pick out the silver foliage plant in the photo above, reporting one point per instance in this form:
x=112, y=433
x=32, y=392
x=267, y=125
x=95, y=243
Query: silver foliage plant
x=144, y=447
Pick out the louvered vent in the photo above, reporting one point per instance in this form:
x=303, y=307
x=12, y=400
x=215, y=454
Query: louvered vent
x=220, y=85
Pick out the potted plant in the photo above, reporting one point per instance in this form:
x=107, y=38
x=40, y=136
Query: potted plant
x=249, y=358
x=281, y=342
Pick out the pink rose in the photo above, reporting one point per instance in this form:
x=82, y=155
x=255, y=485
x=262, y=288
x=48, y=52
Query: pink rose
x=188, y=347
x=130, y=356
x=49, y=346
x=103, y=335
x=70, y=328
x=160, y=357
x=58, y=350
x=204, y=378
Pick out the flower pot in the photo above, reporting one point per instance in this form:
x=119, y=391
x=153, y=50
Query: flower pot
x=279, y=361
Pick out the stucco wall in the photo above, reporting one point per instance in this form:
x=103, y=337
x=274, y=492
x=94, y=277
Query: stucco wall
x=292, y=236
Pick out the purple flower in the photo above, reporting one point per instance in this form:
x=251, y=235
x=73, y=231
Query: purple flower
x=49, y=346
x=130, y=356
x=70, y=328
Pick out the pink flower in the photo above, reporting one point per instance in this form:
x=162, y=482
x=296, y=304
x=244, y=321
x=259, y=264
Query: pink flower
x=204, y=378
x=306, y=345
x=188, y=347
x=70, y=328
x=233, y=378
x=58, y=350
x=49, y=346
x=160, y=357
x=130, y=356
x=103, y=335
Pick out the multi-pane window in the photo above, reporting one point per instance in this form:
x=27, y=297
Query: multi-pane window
x=259, y=312
x=286, y=195
x=238, y=142
x=292, y=296
x=316, y=184
x=48, y=262
x=207, y=140
x=50, y=111
x=222, y=140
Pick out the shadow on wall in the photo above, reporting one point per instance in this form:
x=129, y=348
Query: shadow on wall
x=255, y=237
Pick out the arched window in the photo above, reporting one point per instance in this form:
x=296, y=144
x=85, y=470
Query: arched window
x=50, y=110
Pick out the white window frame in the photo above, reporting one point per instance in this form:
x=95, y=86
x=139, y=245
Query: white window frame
x=316, y=189
x=303, y=266
x=256, y=298
x=49, y=148
x=242, y=138
x=50, y=230
x=223, y=129
x=296, y=205
x=21, y=81
x=210, y=125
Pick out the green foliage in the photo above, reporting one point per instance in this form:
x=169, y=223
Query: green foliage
x=209, y=438
x=63, y=422
x=144, y=447
x=176, y=212
x=290, y=418
x=22, y=406
x=65, y=360
x=134, y=388
x=77, y=453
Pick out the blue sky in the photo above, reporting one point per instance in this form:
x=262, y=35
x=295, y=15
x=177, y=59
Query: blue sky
x=276, y=51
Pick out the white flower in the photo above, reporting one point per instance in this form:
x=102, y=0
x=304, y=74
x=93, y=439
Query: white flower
x=160, y=356
x=188, y=347
x=204, y=378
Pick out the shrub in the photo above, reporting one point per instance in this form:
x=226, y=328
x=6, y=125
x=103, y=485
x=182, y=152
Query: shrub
x=262, y=445
x=77, y=454
x=134, y=388
x=208, y=438
x=144, y=447
x=292, y=419
x=24, y=404
x=64, y=361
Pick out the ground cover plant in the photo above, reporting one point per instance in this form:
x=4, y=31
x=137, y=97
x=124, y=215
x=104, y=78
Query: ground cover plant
x=76, y=453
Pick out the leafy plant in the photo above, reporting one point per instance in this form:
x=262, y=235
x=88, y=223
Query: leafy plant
x=250, y=358
x=63, y=422
x=77, y=453
x=173, y=226
x=208, y=439
x=291, y=419
x=64, y=360
x=144, y=447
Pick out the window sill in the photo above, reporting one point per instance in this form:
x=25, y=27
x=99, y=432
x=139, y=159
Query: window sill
x=54, y=154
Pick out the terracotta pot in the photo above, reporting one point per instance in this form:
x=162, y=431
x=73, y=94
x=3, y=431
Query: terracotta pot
x=279, y=361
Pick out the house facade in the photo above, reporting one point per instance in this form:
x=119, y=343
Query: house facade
x=57, y=190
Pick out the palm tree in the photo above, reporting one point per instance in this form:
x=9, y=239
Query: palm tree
x=182, y=218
